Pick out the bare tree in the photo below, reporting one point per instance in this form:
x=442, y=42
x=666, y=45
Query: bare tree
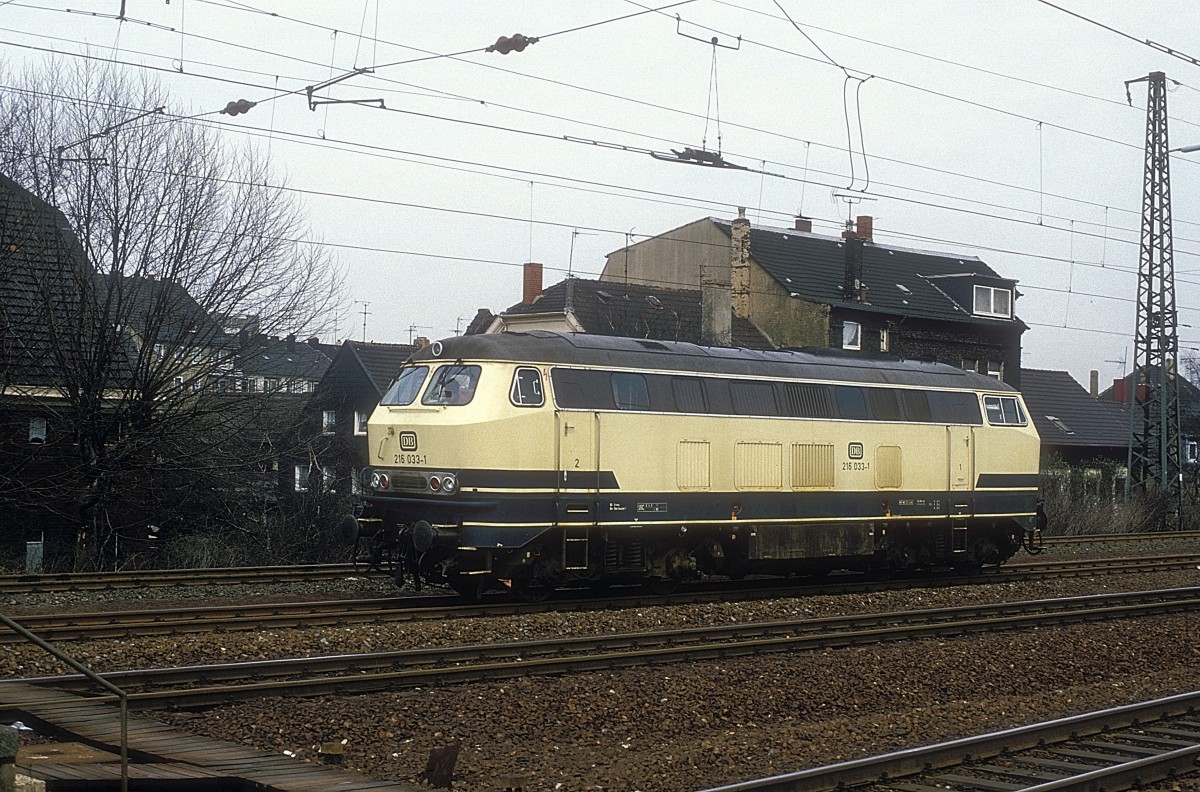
x=179, y=235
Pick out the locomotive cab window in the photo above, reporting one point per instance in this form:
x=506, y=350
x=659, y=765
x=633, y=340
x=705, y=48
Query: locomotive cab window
x=527, y=388
x=406, y=387
x=689, y=395
x=452, y=385
x=1005, y=410
x=851, y=402
x=629, y=391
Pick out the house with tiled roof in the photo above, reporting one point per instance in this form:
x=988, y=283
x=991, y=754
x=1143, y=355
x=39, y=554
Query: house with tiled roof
x=801, y=289
x=580, y=305
x=1074, y=425
x=1125, y=390
x=335, y=423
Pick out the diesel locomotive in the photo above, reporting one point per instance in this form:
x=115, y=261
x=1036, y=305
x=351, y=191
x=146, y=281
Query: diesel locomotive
x=537, y=460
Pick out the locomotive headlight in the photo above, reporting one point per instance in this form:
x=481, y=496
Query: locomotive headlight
x=435, y=483
x=380, y=481
x=449, y=485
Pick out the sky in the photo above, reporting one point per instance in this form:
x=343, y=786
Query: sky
x=992, y=129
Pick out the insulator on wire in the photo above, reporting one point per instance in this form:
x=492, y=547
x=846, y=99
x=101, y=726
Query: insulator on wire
x=238, y=107
x=514, y=43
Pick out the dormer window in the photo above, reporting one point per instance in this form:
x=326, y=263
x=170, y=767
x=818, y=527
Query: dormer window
x=991, y=301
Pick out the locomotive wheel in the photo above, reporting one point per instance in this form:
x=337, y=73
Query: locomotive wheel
x=531, y=592
x=662, y=586
x=467, y=586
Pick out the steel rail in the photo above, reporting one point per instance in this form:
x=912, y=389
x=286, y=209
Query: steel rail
x=901, y=767
x=168, y=578
x=422, y=667
x=143, y=622
x=177, y=578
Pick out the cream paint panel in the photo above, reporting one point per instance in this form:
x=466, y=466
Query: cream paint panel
x=634, y=446
x=500, y=435
x=758, y=466
x=694, y=461
x=889, y=467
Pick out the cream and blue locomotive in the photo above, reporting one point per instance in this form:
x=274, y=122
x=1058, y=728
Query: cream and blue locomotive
x=537, y=460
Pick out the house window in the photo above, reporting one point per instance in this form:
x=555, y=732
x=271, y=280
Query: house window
x=328, y=421
x=885, y=340
x=360, y=422
x=995, y=368
x=37, y=430
x=327, y=479
x=301, y=478
x=159, y=351
x=990, y=301
x=851, y=335
x=179, y=382
x=1193, y=452
x=270, y=384
x=251, y=385
x=969, y=364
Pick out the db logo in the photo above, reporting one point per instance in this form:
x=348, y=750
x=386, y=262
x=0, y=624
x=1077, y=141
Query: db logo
x=408, y=441
x=855, y=450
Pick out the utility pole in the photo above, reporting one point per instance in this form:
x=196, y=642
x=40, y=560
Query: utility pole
x=1154, y=452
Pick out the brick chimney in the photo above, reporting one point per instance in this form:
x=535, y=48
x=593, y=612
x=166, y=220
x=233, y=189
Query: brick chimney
x=1120, y=391
x=531, y=287
x=804, y=224
x=739, y=263
x=864, y=229
x=1094, y=383
x=852, y=285
x=715, y=297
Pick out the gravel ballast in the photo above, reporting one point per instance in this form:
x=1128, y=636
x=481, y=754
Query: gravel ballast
x=687, y=726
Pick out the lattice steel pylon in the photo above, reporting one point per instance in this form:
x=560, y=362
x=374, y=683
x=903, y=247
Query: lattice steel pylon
x=1154, y=441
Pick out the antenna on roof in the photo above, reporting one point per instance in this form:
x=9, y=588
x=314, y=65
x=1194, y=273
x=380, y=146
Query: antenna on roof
x=364, y=304
x=571, y=260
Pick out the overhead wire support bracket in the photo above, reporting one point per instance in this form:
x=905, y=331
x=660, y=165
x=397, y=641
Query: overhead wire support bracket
x=313, y=103
x=103, y=133
x=716, y=42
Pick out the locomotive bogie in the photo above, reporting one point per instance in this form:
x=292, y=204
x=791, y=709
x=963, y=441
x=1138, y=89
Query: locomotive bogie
x=578, y=460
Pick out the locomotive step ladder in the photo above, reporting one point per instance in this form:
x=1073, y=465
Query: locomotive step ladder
x=575, y=547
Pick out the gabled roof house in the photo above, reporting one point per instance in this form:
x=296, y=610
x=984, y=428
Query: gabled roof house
x=801, y=289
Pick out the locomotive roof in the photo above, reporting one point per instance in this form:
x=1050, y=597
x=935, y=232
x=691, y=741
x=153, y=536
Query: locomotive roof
x=589, y=350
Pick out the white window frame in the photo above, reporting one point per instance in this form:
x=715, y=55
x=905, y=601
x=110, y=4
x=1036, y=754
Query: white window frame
x=985, y=301
x=851, y=335
x=885, y=339
x=328, y=421
x=37, y=430
x=993, y=403
x=300, y=476
x=995, y=368
x=360, y=422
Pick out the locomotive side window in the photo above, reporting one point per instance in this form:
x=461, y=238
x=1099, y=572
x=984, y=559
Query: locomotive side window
x=406, y=387
x=955, y=407
x=916, y=405
x=1004, y=410
x=527, y=388
x=689, y=395
x=808, y=401
x=851, y=402
x=579, y=389
x=883, y=403
x=753, y=398
x=452, y=385
x=629, y=391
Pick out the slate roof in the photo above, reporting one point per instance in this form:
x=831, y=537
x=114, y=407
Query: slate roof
x=381, y=362
x=40, y=259
x=285, y=358
x=900, y=281
x=1065, y=414
x=635, y=311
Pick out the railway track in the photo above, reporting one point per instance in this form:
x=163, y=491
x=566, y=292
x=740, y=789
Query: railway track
x=208, y=685
x=181, y=578
x=1114, y=749
x=126, y=624
x=177, y=578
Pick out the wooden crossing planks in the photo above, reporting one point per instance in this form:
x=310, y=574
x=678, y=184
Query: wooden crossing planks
x=158, y=751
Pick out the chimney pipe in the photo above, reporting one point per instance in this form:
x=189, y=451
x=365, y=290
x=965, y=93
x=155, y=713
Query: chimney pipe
x=1094, y=382
x=1120, y=391
x=804, y=224
x=531, y=287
